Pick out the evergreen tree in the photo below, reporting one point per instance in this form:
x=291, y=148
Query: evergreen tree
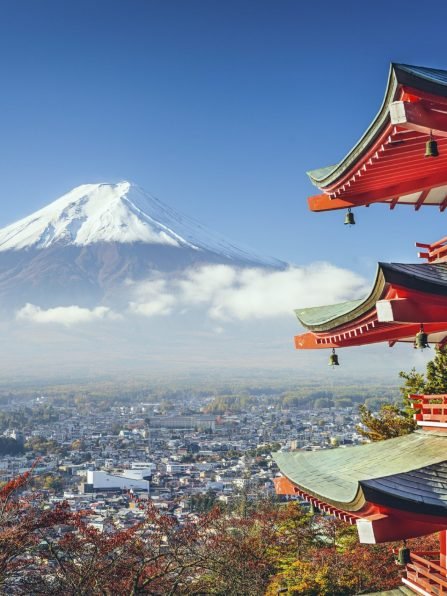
x=433, y=382
x=436, y=375
x=393, y=421
x=388, y=423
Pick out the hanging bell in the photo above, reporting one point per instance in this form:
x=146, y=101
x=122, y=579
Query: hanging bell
x=349, y=218
x=431, y=148
x=421, y=340
x=403, y=556
x=333, y=359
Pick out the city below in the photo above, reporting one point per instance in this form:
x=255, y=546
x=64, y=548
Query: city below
x=186, y=450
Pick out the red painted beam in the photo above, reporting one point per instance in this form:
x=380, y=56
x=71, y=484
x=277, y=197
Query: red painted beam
x=411, y=94
x=433, y=245
x=323, y=202
x=406, y=310
x=384, y=332
x=391, y=166
x=421, y=199
x=419, y=116
x=401, y=168
x=383, y=182
x=394, y=202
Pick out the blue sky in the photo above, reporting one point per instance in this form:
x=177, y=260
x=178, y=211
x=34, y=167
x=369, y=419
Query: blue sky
x=218, y=107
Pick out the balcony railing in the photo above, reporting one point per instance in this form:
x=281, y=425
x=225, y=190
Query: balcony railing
x=424, y=575
x=430, y=410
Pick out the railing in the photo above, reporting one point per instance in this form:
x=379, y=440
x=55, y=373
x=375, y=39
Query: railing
x=425, y=575
x=436, y=251
x=429, y=408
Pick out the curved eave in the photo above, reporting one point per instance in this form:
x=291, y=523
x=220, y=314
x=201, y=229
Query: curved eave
x=407, y=472
x=428, y=80
x=323, y=177
x=420, y=277
x=320, y=319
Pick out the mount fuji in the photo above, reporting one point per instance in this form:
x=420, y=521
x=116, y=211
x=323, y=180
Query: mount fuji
x=87, y=244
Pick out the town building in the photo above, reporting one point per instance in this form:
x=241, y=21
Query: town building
x=198, y=421
x=99, y=481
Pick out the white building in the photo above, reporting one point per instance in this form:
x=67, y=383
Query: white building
x=98, y=480
x=177, y=468
x=143, y=465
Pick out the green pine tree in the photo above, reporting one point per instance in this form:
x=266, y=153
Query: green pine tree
x=393, y=421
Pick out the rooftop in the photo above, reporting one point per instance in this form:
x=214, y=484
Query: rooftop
x=388, y=163
x=409, y=470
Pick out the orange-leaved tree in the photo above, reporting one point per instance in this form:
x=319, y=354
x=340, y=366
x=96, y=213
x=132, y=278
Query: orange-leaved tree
x=55, y=551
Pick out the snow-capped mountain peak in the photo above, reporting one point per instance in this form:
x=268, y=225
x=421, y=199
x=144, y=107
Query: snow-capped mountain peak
x=116, y=213
x=88, y=214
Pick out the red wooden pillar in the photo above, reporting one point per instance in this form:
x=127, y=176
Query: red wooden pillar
x=443, y=548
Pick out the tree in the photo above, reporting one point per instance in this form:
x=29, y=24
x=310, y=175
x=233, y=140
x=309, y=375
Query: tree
x=436, y=374
x=321, y=556
x=154, y=556
x=433, y=382
x=15, y=539
x=270, y=547
x=237, y=556
x=323, y=402
x=388, y=423
x=392, y=421
x=21, y=520
x=331, y=572
x=202, y=503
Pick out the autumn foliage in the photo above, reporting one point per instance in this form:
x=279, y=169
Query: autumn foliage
x=265, y=549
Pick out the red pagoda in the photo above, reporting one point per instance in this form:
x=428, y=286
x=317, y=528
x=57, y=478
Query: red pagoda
x=394, y=489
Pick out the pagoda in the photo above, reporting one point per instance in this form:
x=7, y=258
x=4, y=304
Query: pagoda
x=394, y=489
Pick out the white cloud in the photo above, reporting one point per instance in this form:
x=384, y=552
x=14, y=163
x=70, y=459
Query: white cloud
x=226, y=293
x=257, y=293
x=152, y=298
x=230, y=293
x=206, y=283
x=64, y=315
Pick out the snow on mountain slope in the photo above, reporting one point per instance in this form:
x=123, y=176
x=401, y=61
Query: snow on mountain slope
x=118, y=213
x=90, y=213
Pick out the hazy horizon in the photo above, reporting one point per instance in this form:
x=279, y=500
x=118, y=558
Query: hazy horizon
x=219, y=109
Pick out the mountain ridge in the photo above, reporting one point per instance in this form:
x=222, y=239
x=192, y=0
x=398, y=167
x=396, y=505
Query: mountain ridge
x=123, y=213
x=87, y=245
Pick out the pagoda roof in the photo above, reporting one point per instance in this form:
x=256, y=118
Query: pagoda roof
x=423, y=277
x=318, y=317
x=408, y=473
x=388, y=163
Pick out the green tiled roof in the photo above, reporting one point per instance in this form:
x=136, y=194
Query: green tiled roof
x=324, y=318
x=319, y=315
x=424, y=277
x=411, y=467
